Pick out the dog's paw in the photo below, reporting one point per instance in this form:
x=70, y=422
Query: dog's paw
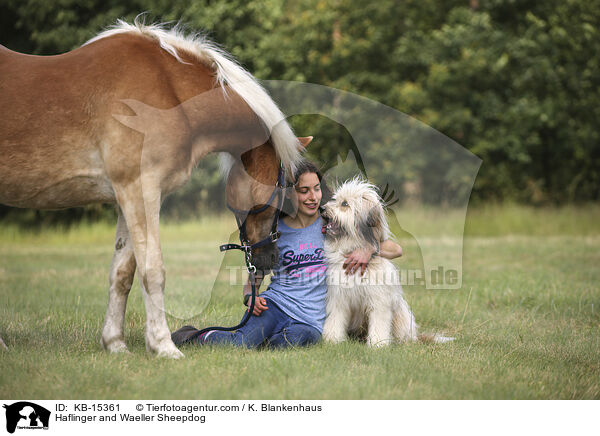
x=333, y=338
x=378, y=343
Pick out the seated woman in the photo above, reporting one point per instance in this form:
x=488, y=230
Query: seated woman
x=291, y=312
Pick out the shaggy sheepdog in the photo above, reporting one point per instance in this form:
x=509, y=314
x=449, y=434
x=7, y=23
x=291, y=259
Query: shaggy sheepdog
x=370, y=305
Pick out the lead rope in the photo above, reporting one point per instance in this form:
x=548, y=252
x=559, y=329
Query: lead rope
x=245, y=319
x=251, y=268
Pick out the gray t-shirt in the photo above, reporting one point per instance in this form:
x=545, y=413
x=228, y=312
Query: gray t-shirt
x=299, y=284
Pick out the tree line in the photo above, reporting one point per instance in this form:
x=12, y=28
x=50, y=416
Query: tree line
x=517, y=83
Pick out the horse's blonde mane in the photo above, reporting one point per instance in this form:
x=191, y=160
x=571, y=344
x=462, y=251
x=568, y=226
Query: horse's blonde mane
x=228, y=73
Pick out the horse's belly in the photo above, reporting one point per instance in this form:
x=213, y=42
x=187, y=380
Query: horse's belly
x=51, y=172
x=73, y=191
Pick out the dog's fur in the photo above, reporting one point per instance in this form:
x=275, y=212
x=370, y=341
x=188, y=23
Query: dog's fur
x=370, y=304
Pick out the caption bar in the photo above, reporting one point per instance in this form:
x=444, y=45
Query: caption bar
x=72, y=417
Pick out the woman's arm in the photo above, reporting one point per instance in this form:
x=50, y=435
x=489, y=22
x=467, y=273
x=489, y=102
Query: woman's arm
x=390, y=250
x=360, y=258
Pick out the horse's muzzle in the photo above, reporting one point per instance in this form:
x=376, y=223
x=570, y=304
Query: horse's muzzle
x=266, y=258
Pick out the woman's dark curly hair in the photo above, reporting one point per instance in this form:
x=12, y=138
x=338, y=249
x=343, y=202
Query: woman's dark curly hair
x=306, y=166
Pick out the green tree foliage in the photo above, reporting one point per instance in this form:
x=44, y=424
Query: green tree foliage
x=515, y=82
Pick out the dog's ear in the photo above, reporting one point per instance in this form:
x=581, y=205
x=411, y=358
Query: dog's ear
x=367, y=232
x=375, y=221
x=370, y=227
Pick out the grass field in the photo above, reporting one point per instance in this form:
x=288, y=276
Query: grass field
x=527, y=319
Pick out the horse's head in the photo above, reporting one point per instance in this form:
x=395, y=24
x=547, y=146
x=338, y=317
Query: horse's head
x=255, y=197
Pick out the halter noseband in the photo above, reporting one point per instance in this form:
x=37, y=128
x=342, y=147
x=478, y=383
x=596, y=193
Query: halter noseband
x=273, y=236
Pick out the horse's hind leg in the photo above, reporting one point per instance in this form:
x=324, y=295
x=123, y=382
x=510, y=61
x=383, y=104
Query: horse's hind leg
x=121, y=278
x=141, y=209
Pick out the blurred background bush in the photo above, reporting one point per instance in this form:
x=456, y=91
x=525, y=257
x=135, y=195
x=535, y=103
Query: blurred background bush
x=516, y=82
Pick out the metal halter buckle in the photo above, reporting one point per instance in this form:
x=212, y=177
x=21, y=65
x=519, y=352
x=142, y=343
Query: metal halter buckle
x=275, y=236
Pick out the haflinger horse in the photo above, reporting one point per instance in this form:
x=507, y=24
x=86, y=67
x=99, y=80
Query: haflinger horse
x=124, y=119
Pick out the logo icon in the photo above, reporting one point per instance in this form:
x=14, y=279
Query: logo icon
x=26, y=415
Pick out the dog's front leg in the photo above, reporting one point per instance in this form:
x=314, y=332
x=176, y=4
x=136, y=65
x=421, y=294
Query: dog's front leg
x=335, y=329
x=380, y=327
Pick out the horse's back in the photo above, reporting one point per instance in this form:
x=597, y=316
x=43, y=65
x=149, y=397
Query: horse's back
x=49, y=156
x=4, y=53
x=58, y=130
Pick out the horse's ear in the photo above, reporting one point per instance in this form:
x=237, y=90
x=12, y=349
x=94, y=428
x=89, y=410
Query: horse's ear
x=304, y=141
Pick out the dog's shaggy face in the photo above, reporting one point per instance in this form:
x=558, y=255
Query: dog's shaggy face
x=356, y=213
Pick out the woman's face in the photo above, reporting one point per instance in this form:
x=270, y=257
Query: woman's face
x=308, y=191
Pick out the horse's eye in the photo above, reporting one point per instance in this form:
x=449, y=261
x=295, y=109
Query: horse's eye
x=344, y=203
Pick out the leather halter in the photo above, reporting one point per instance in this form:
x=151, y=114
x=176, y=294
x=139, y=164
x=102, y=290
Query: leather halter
x=242, y=215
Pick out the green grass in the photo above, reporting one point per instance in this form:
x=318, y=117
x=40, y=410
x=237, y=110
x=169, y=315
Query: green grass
x=527, y=319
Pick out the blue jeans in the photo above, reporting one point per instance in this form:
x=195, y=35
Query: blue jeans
x=272, y=328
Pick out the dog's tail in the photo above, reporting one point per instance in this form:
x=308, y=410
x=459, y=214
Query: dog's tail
x=434, y=338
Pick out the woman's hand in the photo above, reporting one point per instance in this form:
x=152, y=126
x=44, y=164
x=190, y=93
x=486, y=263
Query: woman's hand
x=260, y=305
x=359, y=258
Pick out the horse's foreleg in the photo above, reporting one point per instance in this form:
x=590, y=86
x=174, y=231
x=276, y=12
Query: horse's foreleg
x=141, y=209
x=122, y=272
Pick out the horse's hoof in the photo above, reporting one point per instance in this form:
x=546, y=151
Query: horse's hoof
x=171, y=354
x=120, y=350
x=115, y=346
